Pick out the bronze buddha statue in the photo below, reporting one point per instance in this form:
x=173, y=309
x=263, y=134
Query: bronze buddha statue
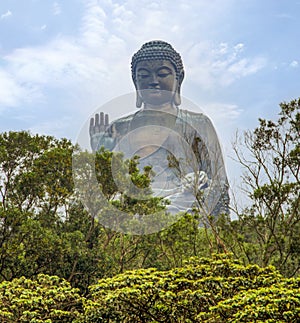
x=181, y=146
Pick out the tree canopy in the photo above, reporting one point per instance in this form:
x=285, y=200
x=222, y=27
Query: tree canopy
x=219, y=289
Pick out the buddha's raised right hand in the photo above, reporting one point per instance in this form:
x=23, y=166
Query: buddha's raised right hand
x=98, y=126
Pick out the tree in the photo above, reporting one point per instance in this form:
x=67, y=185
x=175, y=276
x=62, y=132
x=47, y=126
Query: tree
x=268, y=232
x=48, y=299
x=44, y=228
x=36, y=172
x=35, y=188
x=203, y=290
x=272, y=304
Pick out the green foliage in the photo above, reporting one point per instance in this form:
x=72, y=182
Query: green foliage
x=268, y=232
x=35, y=171
x=46, y=299
x=44, y=227
x=203, y=290
x=220, y=289
x=277, y=303
x=35, y=186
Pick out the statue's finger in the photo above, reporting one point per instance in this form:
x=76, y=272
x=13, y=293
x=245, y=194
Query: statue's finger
x=92, y=126
x=101, y=118
x=101, y=124
x=97, y=119
x=106, y=120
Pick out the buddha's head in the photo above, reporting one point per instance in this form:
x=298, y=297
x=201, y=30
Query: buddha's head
x=157, y=73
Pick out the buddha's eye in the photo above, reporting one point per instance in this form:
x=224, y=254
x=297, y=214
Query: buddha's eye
x=164, y=72
x=143, y=74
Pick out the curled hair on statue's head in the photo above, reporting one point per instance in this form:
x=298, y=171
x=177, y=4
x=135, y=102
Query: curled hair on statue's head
x=158, y=50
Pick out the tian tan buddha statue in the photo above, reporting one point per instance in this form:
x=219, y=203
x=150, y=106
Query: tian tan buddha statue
x=181, y=146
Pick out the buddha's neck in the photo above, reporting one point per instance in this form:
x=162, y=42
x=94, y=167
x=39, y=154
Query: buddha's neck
x=167, y=108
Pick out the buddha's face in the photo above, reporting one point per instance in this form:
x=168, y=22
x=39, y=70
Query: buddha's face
x=156, y=81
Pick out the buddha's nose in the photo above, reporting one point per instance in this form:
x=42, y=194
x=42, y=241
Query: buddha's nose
x=153, y=80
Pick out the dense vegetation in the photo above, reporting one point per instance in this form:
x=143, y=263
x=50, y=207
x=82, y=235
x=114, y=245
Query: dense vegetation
x=210, y=290
x=58, y=263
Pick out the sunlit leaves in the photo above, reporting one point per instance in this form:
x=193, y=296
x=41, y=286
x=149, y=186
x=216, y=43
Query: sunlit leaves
x=47, y=299
x=203, y=290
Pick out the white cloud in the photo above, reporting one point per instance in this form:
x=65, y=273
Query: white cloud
x=95, y=60
x=93, y=31
x=13, y=92
x=57, y=126
x=239, y=47
x=223, y=111
x=294, y=64
x=6, y=15
x=10, y=91
x=43, y=27
x=213, y=66
x=56, y=8
x=242, y=68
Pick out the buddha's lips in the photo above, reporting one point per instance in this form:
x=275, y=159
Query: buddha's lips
x=154, y=91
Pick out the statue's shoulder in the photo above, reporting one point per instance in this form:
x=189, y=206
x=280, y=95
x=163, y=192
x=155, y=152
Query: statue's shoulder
x=124, y=120
x=198, y=121
x=122, y=125
x=192, y=116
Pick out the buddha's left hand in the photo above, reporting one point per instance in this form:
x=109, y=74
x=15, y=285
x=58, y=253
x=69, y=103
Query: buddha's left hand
x=195, y=181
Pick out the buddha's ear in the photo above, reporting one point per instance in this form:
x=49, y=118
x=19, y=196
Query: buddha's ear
x=139, y=100
x=177, y=96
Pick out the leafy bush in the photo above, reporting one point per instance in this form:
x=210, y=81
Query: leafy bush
x=47, y=299
x=203, y=290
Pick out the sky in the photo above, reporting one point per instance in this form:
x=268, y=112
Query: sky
x=60, y=61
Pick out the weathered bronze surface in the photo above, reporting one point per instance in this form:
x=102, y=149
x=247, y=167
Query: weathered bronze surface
x=181, y=146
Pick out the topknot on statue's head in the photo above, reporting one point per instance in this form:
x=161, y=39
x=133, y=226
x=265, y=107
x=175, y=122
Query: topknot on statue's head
x=157, y=50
